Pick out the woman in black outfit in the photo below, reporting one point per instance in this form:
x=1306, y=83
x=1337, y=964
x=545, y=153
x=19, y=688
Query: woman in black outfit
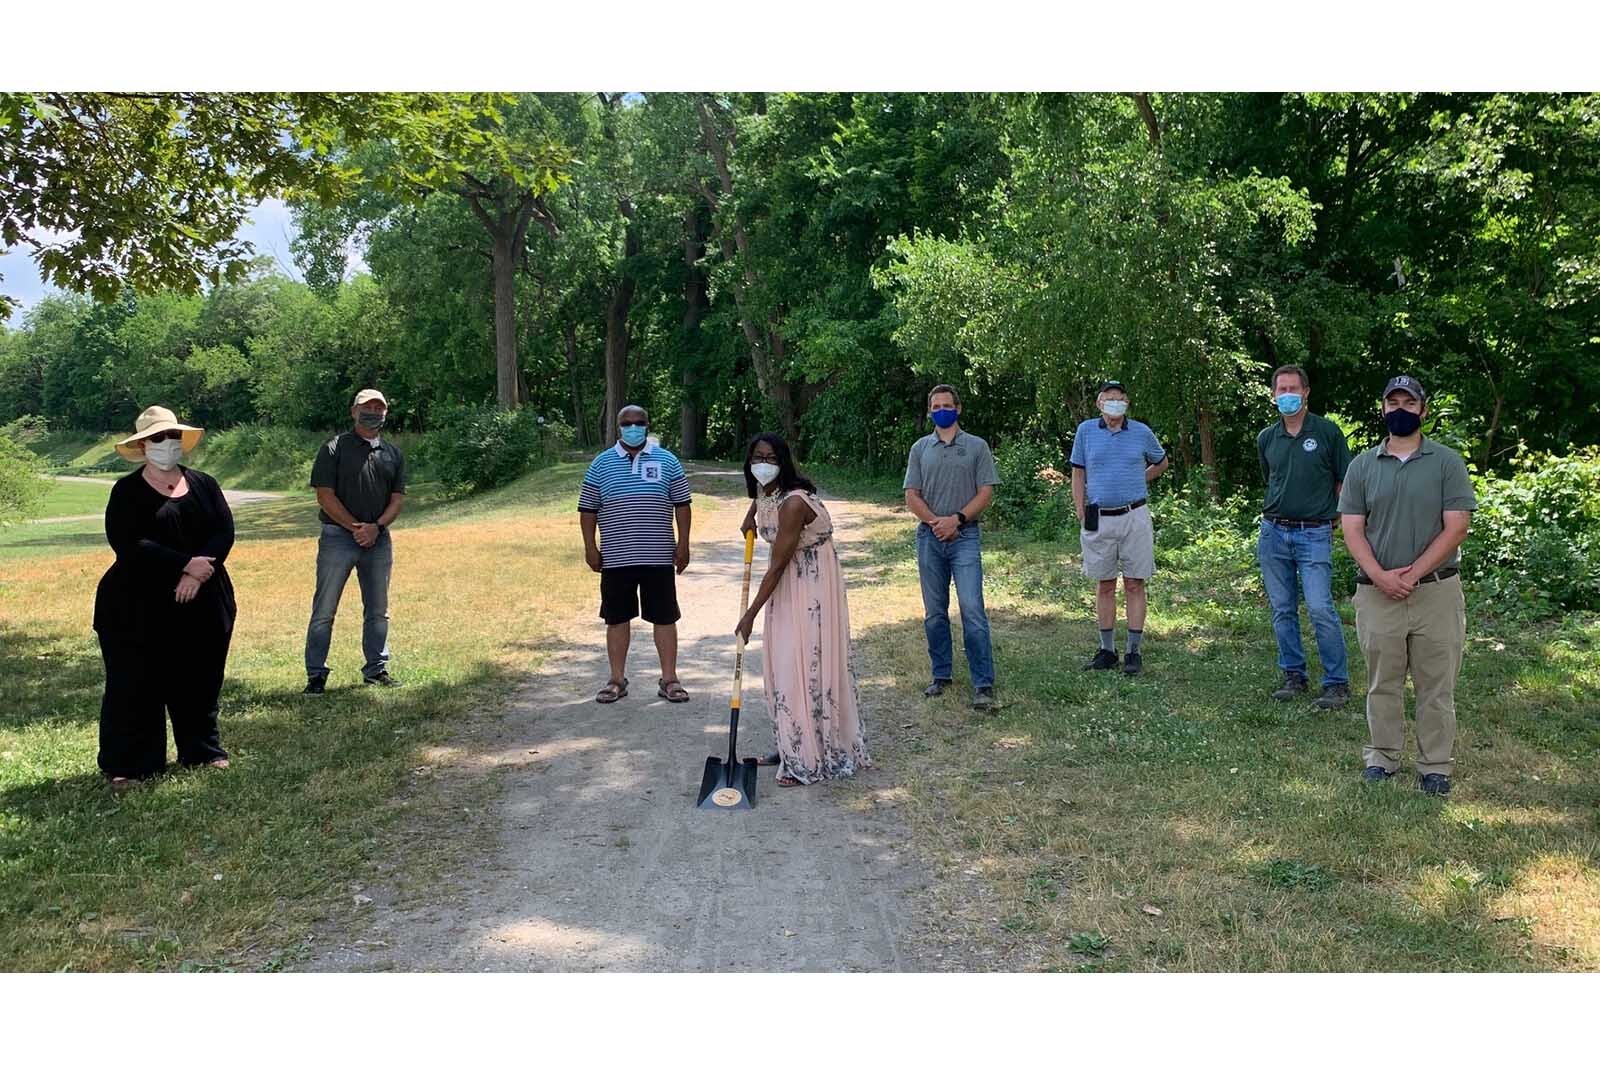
x=164, y=610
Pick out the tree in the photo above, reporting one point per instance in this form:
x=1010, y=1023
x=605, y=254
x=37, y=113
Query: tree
x=149, y=189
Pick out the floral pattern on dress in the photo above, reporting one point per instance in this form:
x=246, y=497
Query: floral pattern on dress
x=810, y=681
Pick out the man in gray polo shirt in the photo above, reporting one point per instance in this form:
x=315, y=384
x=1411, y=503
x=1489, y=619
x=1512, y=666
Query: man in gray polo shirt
x=1406, y=506
x=950, y=479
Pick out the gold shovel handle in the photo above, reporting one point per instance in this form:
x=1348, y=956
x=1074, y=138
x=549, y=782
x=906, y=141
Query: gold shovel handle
x=744, y=604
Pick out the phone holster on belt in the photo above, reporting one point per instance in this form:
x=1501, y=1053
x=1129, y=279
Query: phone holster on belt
x=1091, y=517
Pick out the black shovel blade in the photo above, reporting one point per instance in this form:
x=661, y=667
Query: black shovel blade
x=725, y=787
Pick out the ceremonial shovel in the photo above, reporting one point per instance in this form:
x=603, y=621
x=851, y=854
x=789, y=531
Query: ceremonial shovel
x=731, y=785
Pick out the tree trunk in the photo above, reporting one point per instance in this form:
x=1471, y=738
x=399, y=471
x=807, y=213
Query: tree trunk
x=617, y=328
x=580, y=428
x=1152, y=128
x=1208, y=454
x=616, y=355
x=692, y=413
x=505, y=323
x=1494, y=427
x=734, y=242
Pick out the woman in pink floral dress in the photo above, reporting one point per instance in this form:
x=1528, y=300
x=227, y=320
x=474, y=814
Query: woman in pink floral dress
x=810, y=687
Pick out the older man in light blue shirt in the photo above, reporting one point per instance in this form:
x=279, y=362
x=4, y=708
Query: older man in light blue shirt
x=1113, y=459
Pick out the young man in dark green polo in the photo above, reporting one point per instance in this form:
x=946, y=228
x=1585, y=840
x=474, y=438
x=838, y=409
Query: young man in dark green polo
x=1406, y=507
x=1303, y=460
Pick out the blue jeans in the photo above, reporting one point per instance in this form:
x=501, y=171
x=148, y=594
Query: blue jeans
x=338, y=554
x=937, y=563
x=1308, y=552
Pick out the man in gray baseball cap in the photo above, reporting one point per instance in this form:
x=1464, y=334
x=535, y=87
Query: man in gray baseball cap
x=360, y=481
x=1406, y=505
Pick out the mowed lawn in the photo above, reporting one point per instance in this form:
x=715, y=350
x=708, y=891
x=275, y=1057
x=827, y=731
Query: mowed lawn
x=74, y=498
x=230, y=869
x=1182, y=820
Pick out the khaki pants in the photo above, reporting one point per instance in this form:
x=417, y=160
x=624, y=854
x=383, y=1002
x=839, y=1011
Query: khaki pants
x=1423, y=633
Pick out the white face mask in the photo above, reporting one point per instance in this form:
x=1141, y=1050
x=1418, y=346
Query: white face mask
x=1115, y=407
x=164, y=455
x=764, y=472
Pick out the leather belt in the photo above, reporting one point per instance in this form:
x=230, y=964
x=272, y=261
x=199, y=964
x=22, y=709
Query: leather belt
x=1437, y=575
x=1298, y=523
x=1114, y=511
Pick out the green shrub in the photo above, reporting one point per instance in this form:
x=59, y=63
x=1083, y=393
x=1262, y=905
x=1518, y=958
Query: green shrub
x=1035, y=490
x=1534, y=548
x=472, y=448
x=258, y=456
x=22, y=482
x=28, y=429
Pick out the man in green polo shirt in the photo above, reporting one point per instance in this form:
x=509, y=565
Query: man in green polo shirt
x=1303, y=460
x=1406, y=506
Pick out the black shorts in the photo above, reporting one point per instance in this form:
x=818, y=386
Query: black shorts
x=624, y=589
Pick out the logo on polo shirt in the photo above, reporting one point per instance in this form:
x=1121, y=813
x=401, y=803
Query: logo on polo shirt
x=1310, y=444
x=650, y=471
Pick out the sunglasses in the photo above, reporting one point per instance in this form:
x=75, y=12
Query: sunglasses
x=170, y=434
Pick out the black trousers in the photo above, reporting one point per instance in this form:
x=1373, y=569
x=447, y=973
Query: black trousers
x=143, y=688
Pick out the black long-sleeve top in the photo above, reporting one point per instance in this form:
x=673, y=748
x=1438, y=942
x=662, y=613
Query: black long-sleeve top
x=154, y=537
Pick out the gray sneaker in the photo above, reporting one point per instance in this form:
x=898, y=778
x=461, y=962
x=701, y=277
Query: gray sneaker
x=1293, y=684
x=1333, y=697
x=983, y=700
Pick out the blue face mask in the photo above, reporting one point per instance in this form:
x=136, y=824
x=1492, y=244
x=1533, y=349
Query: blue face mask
x=1288, y=403
x=945, y=417
x=633, y=435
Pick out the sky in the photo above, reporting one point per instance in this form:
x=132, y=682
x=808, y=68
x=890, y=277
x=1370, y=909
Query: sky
x=268, y=227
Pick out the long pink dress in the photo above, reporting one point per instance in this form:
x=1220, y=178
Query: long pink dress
x=810, y=685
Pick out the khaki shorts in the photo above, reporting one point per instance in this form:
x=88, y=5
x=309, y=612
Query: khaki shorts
x=1124, y=543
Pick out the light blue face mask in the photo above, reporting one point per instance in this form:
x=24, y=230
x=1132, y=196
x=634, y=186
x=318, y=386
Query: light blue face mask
x=1288, y=403
x=633, y=435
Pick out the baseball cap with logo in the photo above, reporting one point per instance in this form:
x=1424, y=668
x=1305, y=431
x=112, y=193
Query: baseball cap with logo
x=366, y=395
x=1112, y=384
x=1405, y=383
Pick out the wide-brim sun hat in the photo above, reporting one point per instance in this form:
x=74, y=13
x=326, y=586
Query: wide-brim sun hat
x=153, y=420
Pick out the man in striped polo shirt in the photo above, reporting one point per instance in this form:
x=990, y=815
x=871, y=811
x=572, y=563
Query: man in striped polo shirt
x=1113, y=458
x=631, y=494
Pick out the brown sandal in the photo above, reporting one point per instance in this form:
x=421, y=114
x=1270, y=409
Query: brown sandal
x=613, y=691
x=789, y=782
x=672, y=691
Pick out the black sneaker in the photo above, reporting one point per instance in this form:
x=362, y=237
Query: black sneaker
x=1375, y=773
x=315, y=686
x=937, y=687
x=1103, y=659
x=983, y=701
x=1435, y=784
x=1293, y=684
x=384, y=680
x=1132, y=663
x=1333, y=697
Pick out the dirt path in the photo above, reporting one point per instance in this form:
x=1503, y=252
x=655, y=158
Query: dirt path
x=599, y=860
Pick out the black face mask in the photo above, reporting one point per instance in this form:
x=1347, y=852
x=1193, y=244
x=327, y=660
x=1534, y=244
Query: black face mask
x=1402, y=422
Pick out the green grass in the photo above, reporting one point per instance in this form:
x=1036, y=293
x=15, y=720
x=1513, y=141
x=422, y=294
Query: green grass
x=68, y=498
x=1177, y=821
x=1240, y=821
x=232, y=869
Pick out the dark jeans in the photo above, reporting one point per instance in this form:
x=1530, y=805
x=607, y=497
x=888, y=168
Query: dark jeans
x=1308, y=554
x=144, y=688
x=938, y=562
x=338, y=554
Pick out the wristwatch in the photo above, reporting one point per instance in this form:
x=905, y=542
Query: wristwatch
x=961, y=520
